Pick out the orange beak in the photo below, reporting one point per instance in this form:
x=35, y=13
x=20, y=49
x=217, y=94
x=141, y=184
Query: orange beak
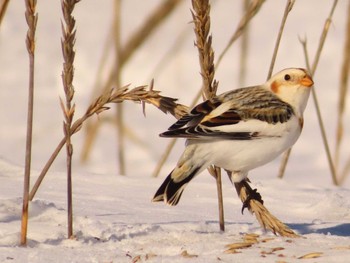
x=307, y=81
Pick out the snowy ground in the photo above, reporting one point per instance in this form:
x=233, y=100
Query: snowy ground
x=114, y=220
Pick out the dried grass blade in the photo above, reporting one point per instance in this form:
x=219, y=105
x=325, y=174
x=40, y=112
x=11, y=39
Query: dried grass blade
x=32, y=19
x=344, y=84
x=68, y=42
x=288, y=8
x=201, y=20
x=311, y=255
x=3, y=8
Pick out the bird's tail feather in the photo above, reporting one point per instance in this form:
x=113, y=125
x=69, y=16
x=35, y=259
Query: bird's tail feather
x=170, y=191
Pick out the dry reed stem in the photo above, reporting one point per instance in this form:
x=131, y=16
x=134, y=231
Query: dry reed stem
x=312, y=71
x=344, y=84
x=128, y=49
x=67, y=42
x=343, y=89
x=201, y=20
x=253, y=9
x=119, y=109
x=100, y=104
x=287, y=10
x=266, y=220
x=244, y=49
x=3, y=8
x=32, y=19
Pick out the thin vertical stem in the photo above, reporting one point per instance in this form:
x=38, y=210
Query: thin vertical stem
x=287, y=10
x=343, y=90
x=3, y=8
x=244, y=48
x=68, y=41
x=119, y=64
x=220, y=198
x=201, y=19
x=32, y=19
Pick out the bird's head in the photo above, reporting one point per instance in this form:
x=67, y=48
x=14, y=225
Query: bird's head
x=292, y=85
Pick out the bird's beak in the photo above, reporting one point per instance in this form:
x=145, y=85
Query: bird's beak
x=307, y=81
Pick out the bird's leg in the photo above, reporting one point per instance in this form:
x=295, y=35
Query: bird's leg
x=245, y=192
x=252, y=194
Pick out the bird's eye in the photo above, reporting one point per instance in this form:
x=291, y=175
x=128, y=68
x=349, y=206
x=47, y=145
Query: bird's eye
x=287, y=77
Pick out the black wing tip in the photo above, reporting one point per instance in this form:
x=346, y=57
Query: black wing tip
x=179, y=133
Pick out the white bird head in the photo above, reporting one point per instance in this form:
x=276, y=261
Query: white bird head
x=292, y=85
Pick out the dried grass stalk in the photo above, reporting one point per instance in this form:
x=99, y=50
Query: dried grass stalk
x=266, y=220
x=119, y=117
x=243, y=57
x=201, y=20
x=67, y=43
x=32, y=19
x=100, y=104
x=3, y=8
x=289, y=6
x=343, y=90
x=287, y=10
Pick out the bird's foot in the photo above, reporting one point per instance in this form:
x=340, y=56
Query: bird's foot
x=252, y=195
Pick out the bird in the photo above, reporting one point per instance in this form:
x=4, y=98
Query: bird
x=238, y=131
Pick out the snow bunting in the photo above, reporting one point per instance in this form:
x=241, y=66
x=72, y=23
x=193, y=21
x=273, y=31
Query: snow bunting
x=239, y=130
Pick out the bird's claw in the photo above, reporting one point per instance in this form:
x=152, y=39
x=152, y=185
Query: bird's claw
x=252, y=195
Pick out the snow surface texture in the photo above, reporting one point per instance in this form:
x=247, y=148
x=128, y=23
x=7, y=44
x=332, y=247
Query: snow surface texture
x=114, y=220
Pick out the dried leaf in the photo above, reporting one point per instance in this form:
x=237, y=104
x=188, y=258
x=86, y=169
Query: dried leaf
x=252, y=238
x=136, y=259
x=239, y=245
x=311, y=255
x=186, y=255
x=267, y=239
x=277, y=249
x=231, y=251
x=341, y=248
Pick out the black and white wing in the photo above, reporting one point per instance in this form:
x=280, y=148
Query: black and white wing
x=241, y=114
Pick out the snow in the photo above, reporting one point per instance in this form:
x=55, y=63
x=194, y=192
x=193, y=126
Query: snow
x=114, y=218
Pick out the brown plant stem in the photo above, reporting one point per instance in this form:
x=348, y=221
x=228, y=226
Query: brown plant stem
x=287, y=10
x=68, y=41
x=244, y=49
x=118, y=72
x=201, y=19
x=3, y=8
x=32, y=19
x=343, y=90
